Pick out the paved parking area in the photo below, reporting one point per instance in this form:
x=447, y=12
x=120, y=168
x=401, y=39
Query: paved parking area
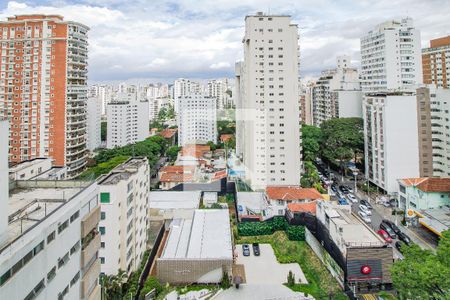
x=265, y=269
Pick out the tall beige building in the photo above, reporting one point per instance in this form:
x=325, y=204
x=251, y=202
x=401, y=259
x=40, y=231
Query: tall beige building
x=268, y=115
x=435, y=62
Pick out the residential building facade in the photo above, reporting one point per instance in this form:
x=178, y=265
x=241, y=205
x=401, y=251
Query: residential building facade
x=337, y=93
x=219, y=89
x=267, y=101
x=43, y=88
x=391, y=57
x=436, y=62
x=124, y=196
x=94, y=121
x=197, y=120
x=423, y=193
x=183, y=87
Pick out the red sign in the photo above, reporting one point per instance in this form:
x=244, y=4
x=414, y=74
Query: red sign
x=366, y=270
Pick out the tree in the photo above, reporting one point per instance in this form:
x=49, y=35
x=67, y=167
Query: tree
x=423, y=274
x=225, y=282
x=226, y=127
x=311, y=142
x=112, y=285
x=103, y=130
x=150, y=284
x=290, y=279
x=172, y=152
x=311, y=177
x=342, y=139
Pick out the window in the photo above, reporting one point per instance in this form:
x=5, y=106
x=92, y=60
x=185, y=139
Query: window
x=102, y=230
x=35, y=292
x=75, y=279
x=102, y=215
x=102, y=260
x=51, y=274
x=102, y=244
x=63, y=226
x=38, y=248
x=51, y=237
x=74, y=216
x=104, y=198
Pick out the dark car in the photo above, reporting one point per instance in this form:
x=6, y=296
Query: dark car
x=245, y=250
x=366, y=203
x=404, y=238
x=392, y=225
x=399, y=246
x=255, y=247
x=388, y=229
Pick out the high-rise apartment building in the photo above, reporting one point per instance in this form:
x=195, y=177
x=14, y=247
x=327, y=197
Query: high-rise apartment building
x=219, y=89
x=337, y=93
x=127, y=119
x=43, y=91
x=390, y=138
x=267, y=114
x=184, y=87
x=436, y=63
x=197, y=120
x=391, y=57
x=433, y=118
x=94, y=120
x=124, y=196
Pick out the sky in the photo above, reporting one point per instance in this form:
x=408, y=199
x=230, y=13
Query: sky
x=162, y=40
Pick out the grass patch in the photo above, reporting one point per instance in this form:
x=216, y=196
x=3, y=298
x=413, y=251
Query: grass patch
x=196, y=287
x=103, y=168
x=321, y=283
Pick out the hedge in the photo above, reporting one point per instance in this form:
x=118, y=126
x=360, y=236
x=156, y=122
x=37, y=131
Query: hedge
x=294, y=233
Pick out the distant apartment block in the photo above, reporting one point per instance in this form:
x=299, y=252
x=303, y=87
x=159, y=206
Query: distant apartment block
x=127, y=120
x=391, y=57
x=267, y=101
x=48, y=238
x=391, y=138
x=124, y=196
x=219, y=89
x=183, y=87
x=43, y=88
x=197, y=120
x=435, y=62
x=433, y=118
x=337, y=93
x=94, y=120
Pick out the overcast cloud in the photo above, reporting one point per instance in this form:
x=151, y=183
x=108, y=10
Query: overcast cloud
x=163, y=40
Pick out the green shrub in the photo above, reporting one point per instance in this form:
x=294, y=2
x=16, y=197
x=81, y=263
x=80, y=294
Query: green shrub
x=279, y=223
x=296, y=233
x=150, y=284
x=255, y=228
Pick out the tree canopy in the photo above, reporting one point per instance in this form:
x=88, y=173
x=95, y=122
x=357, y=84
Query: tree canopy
x=226, y=127
x=423, y=274
x=311, y=142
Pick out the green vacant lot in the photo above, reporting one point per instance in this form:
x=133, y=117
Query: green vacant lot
x=321, y=284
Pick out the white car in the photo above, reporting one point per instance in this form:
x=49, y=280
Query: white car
x=364, y=216
x=352, y=198
x=350, y=189
x=365, y=210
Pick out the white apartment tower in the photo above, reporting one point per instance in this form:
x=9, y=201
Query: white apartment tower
x=197, y=120
x=184, y=87
x=127, y=120
x=391, y=57
x=124, y=196
x=268, y=116
x=337, y=93
x=93, y=118
x=218, y=89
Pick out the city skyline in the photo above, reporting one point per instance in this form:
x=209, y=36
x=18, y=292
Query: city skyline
x=202, y=40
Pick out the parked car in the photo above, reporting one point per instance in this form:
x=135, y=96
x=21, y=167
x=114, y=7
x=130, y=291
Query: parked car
x=255, y=247
x=392, y=225
x=352, y=198
x=388, y=229
x=245, y=250
x=349, y=188
x=333, y=188
x=365, y=209
x=366, y=203
x=386, y=204
x=385, y=236
x=404, y=238
x=365, y=217
x=342, y=201
x=399, y=246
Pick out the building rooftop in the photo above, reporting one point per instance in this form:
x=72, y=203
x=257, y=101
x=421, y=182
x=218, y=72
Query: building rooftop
x=309, y=207
x=27, y=163
x=436, y=220
x=429, y=184
x=168, y=133
x=292, y=193
x=50, y=174
x=123, y=171
x=174, y=200
x=178, y=169
x=206, y=236
x=253, y=200
x=176, y=177
x=30, y=202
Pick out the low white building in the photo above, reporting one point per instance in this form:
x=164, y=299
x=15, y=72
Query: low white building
x=168, y=205
x=197, y=120
x=51, y=242
x=127, y=120
x=198, y=249
x=93, y=120
x=124, y=195
x=253, y=205
x=390, y=138
x=30, y=168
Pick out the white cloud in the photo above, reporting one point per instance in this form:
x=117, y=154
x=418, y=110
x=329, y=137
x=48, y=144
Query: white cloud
x=202, y=38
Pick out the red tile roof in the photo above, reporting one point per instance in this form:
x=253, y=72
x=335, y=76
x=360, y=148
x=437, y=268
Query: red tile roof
x=225, y=137
x=220, y=174
x=168, y=133
x=176, y=177
x=177, y=169
x=303, y=207
x=292, y=193
x=429, y=184
x=195, y=150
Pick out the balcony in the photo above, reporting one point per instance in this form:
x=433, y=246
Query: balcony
x=90, y=221
x=89, y=282
x=90, y=250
